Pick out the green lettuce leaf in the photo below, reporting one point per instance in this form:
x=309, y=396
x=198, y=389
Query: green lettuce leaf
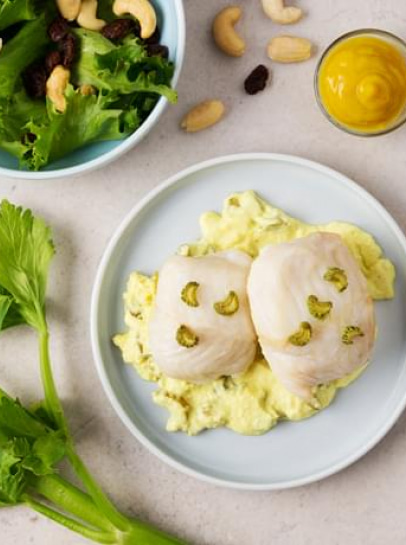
x=15, y=114
x=28, y=45
x=84, y=121
x=122, y=68
x=14, y=11
x=57, y=134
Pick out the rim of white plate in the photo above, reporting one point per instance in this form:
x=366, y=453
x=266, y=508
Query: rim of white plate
x=146, y=200
x=130, y=141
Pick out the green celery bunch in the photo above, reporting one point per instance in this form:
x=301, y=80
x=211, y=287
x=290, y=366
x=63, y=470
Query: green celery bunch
x=34, y=440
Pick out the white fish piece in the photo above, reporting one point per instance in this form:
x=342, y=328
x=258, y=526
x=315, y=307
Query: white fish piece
x=226, y=343
x=280, y=282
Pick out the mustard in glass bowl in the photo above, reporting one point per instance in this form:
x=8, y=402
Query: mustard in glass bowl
x=360, y=82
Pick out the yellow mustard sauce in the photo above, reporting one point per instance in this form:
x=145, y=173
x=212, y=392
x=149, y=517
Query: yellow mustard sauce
x=362, y=83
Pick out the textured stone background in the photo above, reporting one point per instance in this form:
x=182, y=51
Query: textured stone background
x=364, y=504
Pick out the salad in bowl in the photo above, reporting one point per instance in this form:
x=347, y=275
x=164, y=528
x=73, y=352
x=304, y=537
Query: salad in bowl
x=78, y=72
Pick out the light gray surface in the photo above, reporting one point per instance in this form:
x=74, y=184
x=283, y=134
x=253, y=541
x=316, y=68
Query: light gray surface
x=364, y=504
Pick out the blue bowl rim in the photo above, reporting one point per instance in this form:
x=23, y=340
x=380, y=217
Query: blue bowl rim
x=128, y=142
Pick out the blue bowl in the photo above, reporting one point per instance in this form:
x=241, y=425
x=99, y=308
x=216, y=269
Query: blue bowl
x=171, y=20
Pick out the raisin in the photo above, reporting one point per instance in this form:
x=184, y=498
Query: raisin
x=68, y=50
x=157, y=50
x=120, y=28
x=28, y=138
x=256, y=81
x=58, y=29
x=34, y=80
x=51, y=60
x=155, y=38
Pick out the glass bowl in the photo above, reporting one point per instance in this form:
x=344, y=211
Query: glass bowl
x=365, y=32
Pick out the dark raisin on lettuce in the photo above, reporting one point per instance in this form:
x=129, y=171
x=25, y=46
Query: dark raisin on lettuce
x=67, y=47
x=120, y=28
x=157, y=50
x=52, y=60
x=34, y=79
x=257, y=80
x=58, y=29
x=28, y=138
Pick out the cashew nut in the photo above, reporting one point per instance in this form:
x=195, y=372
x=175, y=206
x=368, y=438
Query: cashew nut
x=276, y=10
x=224, y=33
x=56, y=86
x=141, y=10
x=69, y=8
x=289, y=49
x=87, y=17
x=87, y=90
x=1, y=44
x=203, y=115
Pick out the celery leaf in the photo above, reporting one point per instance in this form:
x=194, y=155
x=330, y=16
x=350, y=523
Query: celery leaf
x=26, y=250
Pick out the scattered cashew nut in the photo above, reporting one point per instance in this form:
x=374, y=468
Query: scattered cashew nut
x=87, y=17
x=141, y=10
x=56, y=86
x=288, y=49
x=203, y=115
x=1, y=44
x=281, y=14
x=86, y=90
x=224, y=33
x=69, y=9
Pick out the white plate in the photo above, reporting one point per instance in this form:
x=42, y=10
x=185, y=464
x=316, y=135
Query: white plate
x=292, y=454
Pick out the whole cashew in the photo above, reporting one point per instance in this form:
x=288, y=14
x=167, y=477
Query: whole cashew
x=87, y=17
x=224, y=33
x=276, y=10
x=87, y=90
x=289, y=49
x=141, y=10
x=1, y=44
x=56, y=86
x=69, y=8
x=203, y=115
